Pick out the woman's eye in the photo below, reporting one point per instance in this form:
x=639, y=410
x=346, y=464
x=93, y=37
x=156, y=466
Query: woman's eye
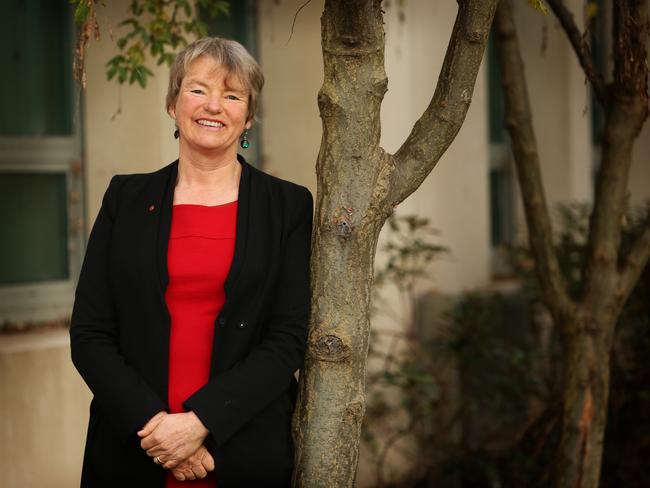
x=232, y=97
x=196, y=90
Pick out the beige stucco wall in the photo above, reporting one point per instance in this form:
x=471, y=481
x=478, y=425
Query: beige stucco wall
x=561, y=111
x=43, y=412
x=126, y=129
x=639, y=185
x=559, y=106
x=289, y=122
x=455, y=195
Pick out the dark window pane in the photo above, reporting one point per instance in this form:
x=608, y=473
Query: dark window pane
x=500, y=207
x=239, y=25
x=598, y=57
x=33, y=216
x=36, y=81
x=495, y=102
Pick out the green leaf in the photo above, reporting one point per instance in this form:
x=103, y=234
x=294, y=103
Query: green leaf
x=122, y=74
x=135, y=7
x=185, y=6
x=81, y=12
x=219, y=7
x=131, y=21
x=110, y=74
x=140, y=75
x=539, y=6
x=591, y=10
x=202, y=28
x=116, y=60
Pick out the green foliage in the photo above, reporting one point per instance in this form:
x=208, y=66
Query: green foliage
x=570, y=242
x=519, y=367
x=539, y=5
x=409, y=253
x=493, y=344
x=81, y=11
x=155, y=29
x=507, y=355
x=403, y=395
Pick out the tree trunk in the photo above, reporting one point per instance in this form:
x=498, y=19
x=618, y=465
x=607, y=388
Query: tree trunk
x=359, y=184
x=346, y=230
x=585, y=392
x=585, y=323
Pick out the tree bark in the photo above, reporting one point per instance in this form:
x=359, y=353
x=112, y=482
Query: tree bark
x=358, y=186
x=331, y=404
x=585, y=323
x=518, y=121
x=585, y=387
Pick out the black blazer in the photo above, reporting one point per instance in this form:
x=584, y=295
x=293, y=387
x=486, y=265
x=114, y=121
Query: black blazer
x=120, y=331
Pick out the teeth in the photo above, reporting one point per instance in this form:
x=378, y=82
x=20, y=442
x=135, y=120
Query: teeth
x=210, y=123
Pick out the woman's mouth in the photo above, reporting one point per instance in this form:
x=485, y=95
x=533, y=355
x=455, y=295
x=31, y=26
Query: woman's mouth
x=209, y=123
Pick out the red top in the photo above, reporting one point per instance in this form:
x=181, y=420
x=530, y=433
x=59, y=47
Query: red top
x=201, y=247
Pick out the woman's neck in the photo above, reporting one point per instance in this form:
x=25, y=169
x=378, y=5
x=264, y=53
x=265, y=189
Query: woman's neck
x=207, y=181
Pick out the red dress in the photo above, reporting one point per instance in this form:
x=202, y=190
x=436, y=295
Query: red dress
x=201, y=247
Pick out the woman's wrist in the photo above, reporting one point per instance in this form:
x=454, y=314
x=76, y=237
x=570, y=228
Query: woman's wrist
x=199, y=427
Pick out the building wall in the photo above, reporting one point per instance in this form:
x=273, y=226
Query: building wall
x=126, y=128
x=43, y=412
x=454, y=197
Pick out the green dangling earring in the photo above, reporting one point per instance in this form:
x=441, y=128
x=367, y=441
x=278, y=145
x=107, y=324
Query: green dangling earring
x=244, y=140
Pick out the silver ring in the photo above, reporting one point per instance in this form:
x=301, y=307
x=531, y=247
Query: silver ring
x=157, y=460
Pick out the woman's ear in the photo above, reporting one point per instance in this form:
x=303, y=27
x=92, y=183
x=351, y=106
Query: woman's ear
x=171, y=110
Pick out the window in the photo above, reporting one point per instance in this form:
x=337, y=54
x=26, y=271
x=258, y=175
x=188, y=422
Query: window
x=501, y=175
x=41, y=211
x=600, y=38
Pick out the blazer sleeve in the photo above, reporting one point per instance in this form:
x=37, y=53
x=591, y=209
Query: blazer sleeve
x=232, y=398
x=122, y=395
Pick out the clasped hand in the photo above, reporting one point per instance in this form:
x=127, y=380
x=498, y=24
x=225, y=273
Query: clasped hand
x=177, y=441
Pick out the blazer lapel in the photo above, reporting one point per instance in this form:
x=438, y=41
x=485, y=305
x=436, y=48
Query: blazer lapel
x=162, y=196
x=166, y=188
x=241, y=232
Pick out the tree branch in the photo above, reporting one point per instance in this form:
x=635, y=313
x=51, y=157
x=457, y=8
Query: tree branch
x=635, y=262
x=626, y=114
x=581, y=48
x=524, y=146
x=437, y=127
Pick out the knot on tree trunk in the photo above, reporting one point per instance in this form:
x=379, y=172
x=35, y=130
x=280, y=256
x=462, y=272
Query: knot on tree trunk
x=475, y=36
x=329, y=348
x=355, y=411
x=343, y=223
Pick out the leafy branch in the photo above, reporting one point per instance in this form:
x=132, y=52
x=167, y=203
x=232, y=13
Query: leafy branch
x=155, y=28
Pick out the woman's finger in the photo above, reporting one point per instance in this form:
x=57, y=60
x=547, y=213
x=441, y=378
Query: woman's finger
x=207, y=461
x=171, y=463
x=150, y=426
x=199, y=471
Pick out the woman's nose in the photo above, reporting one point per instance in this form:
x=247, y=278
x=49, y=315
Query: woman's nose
x=213, y=104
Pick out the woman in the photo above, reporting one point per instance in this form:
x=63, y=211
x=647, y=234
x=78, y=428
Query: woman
x=191, y=310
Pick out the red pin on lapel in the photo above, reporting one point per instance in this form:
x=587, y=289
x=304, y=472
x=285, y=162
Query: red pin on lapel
x=152, y=208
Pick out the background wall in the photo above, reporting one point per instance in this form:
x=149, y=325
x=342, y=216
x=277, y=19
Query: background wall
x=126, y=129
x=43, y=412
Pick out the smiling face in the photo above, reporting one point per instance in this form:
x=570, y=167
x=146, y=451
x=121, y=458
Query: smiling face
x=210, y=110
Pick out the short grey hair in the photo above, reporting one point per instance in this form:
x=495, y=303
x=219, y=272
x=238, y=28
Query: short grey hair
x=231, y=55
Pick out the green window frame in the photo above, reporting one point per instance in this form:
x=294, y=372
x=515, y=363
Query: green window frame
x=41, y=206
